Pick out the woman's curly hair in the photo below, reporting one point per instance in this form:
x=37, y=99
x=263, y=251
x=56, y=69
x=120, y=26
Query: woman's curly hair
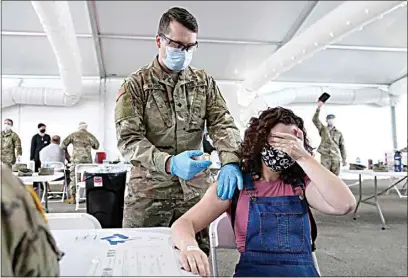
x=256, y=136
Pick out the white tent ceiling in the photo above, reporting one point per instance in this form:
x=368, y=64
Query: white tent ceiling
x=235, y=37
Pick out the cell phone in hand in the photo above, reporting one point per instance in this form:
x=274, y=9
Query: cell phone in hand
x=324, y=97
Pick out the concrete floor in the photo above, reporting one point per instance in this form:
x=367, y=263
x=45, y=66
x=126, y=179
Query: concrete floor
x=347, y=247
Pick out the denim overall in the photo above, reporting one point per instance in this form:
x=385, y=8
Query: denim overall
x=278, y=241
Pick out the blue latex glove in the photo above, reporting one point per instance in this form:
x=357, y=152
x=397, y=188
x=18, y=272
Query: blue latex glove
x=183, y=166
x=229, y=178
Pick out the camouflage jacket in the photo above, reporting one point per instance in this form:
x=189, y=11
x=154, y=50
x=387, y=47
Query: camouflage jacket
x=157, y=116
x=332, y=141
x=27, y=246
x=10, y=147
x=83, y=142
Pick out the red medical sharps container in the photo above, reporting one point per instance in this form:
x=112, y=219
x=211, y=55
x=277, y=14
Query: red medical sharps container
x=100, y=157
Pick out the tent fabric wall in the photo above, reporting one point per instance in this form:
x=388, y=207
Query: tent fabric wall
x=359, y=123
x=55, y=17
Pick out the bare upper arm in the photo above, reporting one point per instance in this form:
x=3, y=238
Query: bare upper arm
x=207, y=209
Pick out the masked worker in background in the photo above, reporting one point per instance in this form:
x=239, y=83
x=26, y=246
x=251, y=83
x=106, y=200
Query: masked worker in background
x=331, y=146
x=83, y=142
x=160, y=114
x=38, y=142
x=27, y=245
x=10, y=144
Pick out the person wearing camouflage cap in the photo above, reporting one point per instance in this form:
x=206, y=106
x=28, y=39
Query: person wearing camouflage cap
x=83, y=142
x=27, y=246
x=160, y=115
x=10, y=144
x=332, y=147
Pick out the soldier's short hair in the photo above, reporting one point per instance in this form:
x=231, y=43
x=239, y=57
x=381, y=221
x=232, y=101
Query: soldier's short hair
x=40, y=125
x=180, y=15
x=10, y=120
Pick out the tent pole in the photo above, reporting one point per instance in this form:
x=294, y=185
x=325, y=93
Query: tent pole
x=394, y=128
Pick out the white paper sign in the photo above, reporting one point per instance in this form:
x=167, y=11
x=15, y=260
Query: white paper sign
x=98, y=182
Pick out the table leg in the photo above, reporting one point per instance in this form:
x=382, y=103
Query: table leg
x=46, y=196
x=359, y=196
x=377, y=204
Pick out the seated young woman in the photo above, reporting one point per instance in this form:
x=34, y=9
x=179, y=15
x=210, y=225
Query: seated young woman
x=272, y=225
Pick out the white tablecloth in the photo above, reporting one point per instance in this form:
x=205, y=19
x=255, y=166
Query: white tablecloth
x=376, y=174
x=36, y=178
x=118, y=252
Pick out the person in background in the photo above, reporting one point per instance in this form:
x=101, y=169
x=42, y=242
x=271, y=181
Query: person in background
x=54, y=152
x=160, y=114
x=11, y=150
x=207, y=143
x=331, y=146
x=27, y=245
x=38, y=142
x=83, y=142
x=271, y=217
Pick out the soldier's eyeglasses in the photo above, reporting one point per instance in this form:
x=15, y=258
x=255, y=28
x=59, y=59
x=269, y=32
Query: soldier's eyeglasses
x=190, y=47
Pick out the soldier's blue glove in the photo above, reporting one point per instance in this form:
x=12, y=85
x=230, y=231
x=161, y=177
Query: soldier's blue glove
x=229, y=178
x=186, y=168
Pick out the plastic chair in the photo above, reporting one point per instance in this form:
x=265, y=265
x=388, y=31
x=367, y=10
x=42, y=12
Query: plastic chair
x=31, y=165
x=59, y=167
x=128, y=173
x=80, y=169
x=222, y=237
x=72, y=221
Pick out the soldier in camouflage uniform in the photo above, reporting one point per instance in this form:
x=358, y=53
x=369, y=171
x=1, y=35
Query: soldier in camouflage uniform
x=331, y=146
x=10, y=144
x=160, y=115
x=83, y=142
x=27, y=246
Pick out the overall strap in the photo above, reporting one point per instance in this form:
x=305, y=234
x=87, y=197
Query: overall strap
x=234, y=204
x=248, y=182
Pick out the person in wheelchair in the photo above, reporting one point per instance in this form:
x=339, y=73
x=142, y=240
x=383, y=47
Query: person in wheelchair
x=270, y=216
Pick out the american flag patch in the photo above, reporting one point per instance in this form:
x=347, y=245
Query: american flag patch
x=120, y=93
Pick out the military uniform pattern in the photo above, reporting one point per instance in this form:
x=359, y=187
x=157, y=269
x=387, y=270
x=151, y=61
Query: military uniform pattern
x=10, y=147
x=83, y=142
x=27, y=246
x=331, y=163
x=331, y=146
x=158, y=115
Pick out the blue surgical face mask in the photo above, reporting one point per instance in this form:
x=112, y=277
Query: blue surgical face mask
x=6, y=127
x=176, y=59
x=330, y=122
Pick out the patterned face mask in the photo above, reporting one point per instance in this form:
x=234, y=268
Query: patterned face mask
x=276, y=160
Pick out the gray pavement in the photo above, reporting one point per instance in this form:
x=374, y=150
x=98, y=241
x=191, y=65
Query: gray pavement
x=347, y=247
